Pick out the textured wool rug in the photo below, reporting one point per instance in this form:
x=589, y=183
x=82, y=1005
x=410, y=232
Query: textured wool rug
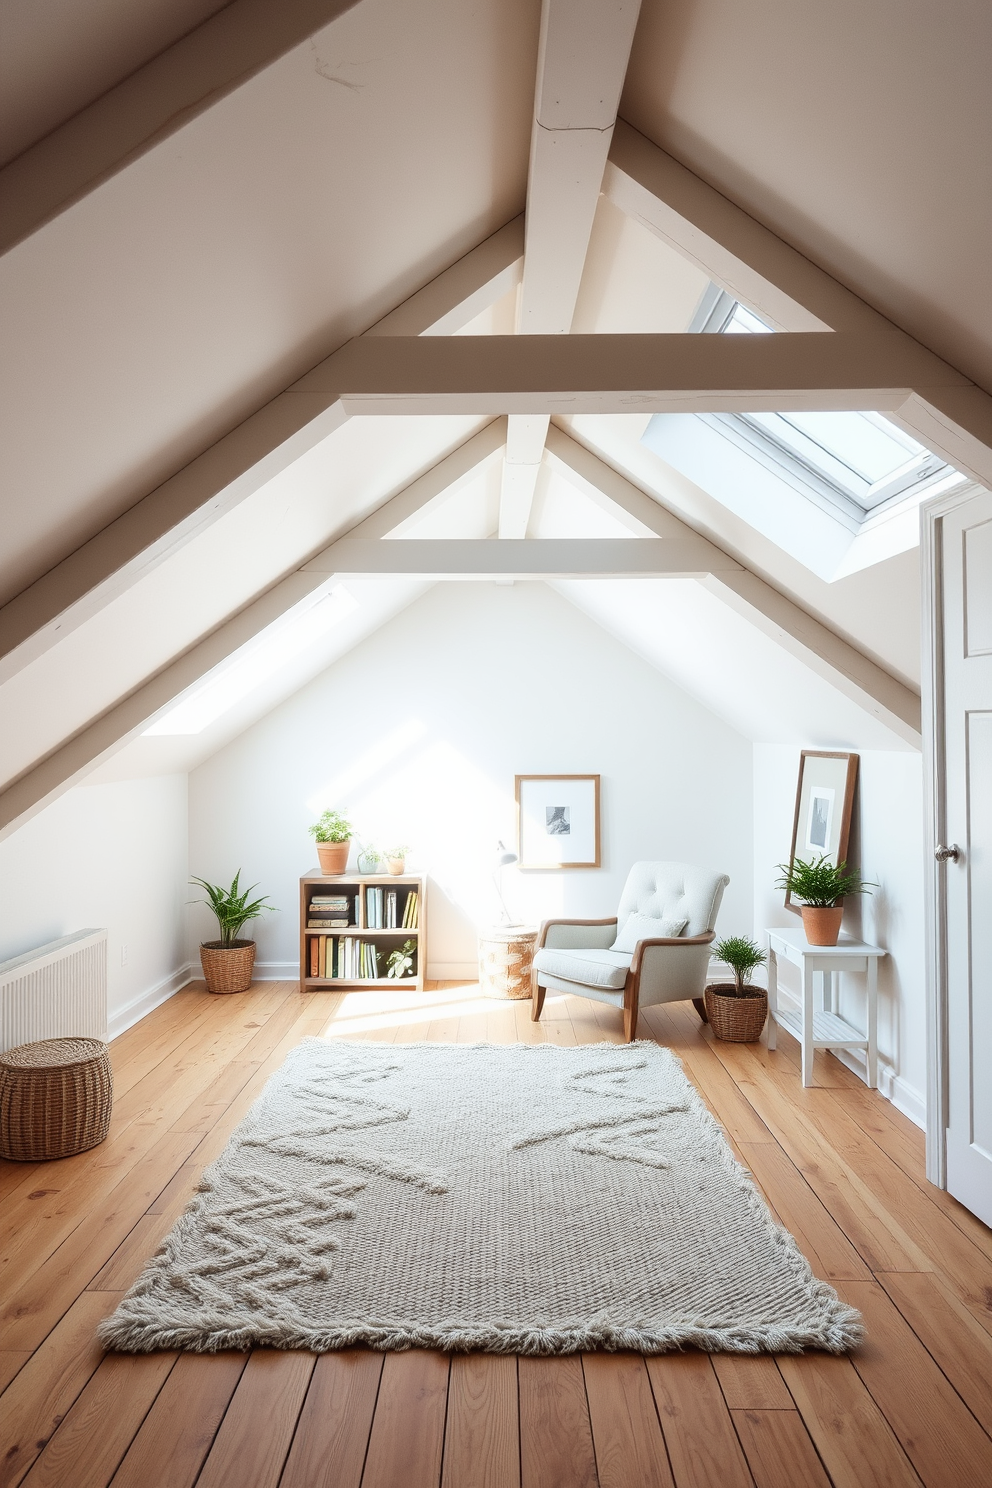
x=524, y=1198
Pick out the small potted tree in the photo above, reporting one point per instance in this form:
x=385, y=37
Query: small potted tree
x=228, y=963
x=396, y=859
x=333, y=834
x=736, y=1010
x=821, y=886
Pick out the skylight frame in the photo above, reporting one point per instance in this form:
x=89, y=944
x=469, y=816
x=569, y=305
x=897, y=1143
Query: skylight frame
x=715, y=315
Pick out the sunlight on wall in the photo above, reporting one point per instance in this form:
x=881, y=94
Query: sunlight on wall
x=407, y=787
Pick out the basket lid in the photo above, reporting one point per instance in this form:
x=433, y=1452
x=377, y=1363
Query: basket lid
x=53, y=1053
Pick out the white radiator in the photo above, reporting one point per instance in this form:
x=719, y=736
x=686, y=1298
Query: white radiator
x=57, y=991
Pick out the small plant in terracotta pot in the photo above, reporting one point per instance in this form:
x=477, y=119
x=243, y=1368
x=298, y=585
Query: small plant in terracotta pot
x=333, y=834
x=821, y=886
x=396, y=859
x=228, y=962
x=736, y=1010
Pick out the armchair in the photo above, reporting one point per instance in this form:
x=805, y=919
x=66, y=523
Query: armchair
x=654, y=949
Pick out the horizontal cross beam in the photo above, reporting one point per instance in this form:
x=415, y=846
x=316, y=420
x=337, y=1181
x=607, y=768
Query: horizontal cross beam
x=521, y=558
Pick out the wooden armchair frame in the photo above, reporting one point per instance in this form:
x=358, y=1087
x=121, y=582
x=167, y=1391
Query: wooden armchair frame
x=632, y=985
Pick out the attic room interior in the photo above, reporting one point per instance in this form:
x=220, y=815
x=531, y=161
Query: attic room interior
x=496, y=760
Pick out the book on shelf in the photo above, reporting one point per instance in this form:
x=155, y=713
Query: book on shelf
x=328, y=924
x=411, y=911
x=330, y=901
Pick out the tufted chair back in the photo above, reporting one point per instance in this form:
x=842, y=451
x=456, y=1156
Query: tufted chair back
x=673, y=889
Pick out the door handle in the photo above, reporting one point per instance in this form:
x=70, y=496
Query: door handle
x=942, y=854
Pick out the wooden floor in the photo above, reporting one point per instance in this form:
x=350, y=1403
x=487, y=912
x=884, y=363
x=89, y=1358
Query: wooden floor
x=839, y=1166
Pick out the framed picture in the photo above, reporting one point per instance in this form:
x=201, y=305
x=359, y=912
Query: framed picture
x=557, y=821
x=824, y=803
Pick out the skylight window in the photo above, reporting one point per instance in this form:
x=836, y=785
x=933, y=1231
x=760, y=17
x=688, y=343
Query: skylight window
x=228, y=685
x=850, y=457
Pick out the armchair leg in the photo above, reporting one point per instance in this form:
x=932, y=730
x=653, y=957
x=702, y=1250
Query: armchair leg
x=536, y=1000
x=630, y=1006
x=699, y=1003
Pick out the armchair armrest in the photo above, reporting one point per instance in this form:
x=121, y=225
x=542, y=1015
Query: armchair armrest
x=671, y=940
x=668, y=970
x=574, y=935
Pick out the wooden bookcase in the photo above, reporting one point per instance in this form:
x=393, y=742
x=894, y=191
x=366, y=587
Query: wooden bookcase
x=355, y=886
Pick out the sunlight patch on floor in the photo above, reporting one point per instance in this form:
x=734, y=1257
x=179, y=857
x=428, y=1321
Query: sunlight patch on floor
x=368, y=1012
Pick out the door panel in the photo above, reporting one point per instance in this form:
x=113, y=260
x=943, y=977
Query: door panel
x=966, y=719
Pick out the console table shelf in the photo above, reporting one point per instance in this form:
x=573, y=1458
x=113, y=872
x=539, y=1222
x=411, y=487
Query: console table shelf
x=821, y=1027
x=354, y=887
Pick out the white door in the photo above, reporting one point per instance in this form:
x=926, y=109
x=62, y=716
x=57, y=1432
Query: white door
x=961, y=556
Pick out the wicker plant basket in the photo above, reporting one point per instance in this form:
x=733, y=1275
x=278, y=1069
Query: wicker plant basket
x=55, y=1099
x=227, y=968
x=738, y=1020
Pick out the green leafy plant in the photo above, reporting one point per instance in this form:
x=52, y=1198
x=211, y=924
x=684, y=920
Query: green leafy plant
x=399, y=963
x=742, y=955
x=821, y=883
x=396, y=852
x=369, y=858
x=332, y=827
x=232, y=906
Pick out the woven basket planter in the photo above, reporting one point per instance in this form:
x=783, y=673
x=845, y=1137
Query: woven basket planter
x=55, y=1099
x=738, y=1020
x=227, y=968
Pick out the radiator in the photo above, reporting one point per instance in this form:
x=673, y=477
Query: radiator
x=57, y=991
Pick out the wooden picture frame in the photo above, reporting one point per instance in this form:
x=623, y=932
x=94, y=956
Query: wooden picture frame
x=824, y=806
x=557, y=821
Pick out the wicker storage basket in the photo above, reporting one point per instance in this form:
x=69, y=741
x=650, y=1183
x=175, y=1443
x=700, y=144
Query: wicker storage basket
x=227, y=968
x=738, y=1020
x=55, y=1098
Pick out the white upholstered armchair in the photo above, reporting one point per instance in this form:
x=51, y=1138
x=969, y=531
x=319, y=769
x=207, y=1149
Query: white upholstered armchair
x=656, y=948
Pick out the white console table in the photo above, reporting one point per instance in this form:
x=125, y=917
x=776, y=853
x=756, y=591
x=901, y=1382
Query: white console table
x=821, y=1027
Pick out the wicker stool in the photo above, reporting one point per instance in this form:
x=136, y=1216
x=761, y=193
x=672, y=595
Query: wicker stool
x=55, y=1098
x=506, y=955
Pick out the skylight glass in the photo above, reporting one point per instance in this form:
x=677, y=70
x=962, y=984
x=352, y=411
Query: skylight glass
x=232, y=683
x=861, y=455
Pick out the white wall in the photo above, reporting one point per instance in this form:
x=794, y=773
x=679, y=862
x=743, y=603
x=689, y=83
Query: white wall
x=886, y=846
x=107, y=856
x=419, y=732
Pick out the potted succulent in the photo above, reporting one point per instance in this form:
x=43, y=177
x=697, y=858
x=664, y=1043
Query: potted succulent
x=333, y=834
x=736, y=1010
x=228, y=962
x=396, y=859
x=820, y=885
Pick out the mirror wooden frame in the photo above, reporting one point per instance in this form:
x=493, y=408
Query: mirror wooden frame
x=807, y=781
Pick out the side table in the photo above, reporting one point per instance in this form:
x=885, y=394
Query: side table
x=506, y=957
x=823, y=1028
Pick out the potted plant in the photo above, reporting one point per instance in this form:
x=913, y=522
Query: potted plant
x=820, y=885
x=227, y=963
x=396, y=859
x=736, y=1010
x=369, y=858
x=333, y=834
x=399, y=963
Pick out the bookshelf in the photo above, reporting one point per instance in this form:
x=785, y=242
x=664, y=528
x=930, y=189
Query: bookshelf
x=362, y=901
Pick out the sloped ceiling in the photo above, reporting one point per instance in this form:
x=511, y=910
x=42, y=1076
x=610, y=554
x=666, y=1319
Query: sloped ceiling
x=857, y=130
x=177, y=297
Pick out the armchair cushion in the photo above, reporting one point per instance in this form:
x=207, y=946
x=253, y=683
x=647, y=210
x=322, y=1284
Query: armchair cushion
x=647, y=927
x=607, y=969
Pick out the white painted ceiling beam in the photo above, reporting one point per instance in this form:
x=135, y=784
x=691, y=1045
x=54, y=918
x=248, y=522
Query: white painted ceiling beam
x=527, y=558
x=800, y=633
x=583, y=51
x=164, y=95
x=788, y=290
x=233, y=469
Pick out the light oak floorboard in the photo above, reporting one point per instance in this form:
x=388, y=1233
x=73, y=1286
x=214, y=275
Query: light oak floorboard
x=482, y=1432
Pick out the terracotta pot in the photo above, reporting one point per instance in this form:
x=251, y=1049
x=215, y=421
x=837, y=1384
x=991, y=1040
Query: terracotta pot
x=822, y=926
x=333, y=857
x=396, y=865
x=736, y=1019
x=227, y=968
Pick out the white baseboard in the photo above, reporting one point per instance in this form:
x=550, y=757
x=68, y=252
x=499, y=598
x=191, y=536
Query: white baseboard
x=903, y=1096
x=276, y=971
x=452, y=971
x=140, y=1007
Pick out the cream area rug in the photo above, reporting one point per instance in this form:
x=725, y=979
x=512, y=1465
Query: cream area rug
x=511, y=1198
